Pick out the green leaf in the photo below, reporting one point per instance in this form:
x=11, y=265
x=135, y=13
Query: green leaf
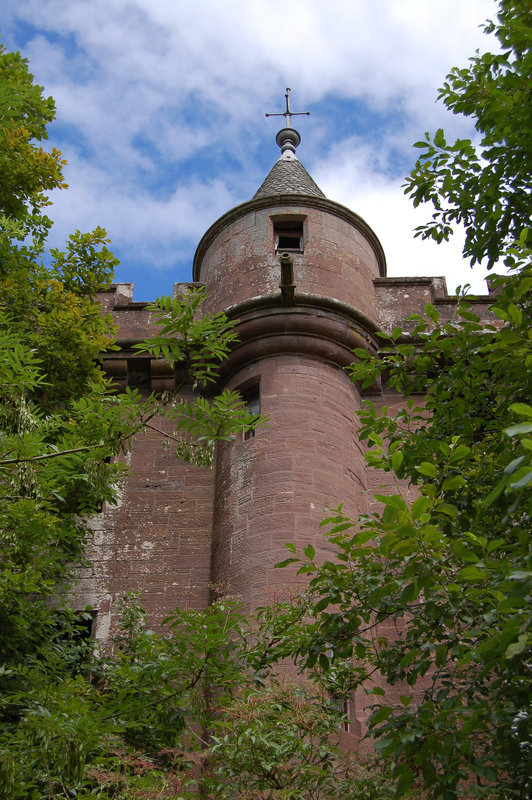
x=420, y=506
x=469, y=315
x=516, y=648
x=522, y=409
x=459, y=453
x=439, y=138
x=441, y=655
x=525, y=480
x=515, y=314
x=380, y=715
x=362, y=354
x=409, y=593
x=286, y=562
x=397, y=459
x=396, y=333
x=454, y=482
x=513, y=465
x=446, y=508
x=324, y=662
x=427, y=469
x=471, y=574
x=516, y=430
x=322, y=604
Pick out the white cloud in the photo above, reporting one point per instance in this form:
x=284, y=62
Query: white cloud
x=159, y=231
x=155, y=91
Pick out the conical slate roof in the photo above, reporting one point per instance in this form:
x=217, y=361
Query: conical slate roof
x=288, y=176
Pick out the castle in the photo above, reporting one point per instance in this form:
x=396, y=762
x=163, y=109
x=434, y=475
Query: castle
x=306, y=279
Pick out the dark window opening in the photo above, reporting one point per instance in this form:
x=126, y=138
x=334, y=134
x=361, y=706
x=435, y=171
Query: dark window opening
x=73, y=632
x=76, y=626
x=288, y=237
x=84, y=625
x=139, y=374
x=347, y=716
x=251, y=397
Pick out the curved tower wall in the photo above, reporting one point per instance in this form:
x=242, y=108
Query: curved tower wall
x=341, y=257
x=277, y=486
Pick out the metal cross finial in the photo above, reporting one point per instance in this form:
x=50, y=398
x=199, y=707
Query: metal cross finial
x=289, y=114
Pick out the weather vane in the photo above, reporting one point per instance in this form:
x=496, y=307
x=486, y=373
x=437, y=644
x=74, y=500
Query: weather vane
x=287, y=114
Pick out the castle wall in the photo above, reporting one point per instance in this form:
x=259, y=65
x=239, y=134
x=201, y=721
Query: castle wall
x=156, y=541
x=398, y=298
x=178, y=528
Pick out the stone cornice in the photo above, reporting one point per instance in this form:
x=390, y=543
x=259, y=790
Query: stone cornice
x=313, y=326
x=305, y=300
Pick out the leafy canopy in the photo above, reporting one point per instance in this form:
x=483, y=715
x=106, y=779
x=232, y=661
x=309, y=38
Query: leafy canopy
x=28, y=170
x=484, y=186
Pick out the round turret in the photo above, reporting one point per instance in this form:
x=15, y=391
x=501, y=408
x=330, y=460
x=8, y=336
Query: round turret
x=296, y=270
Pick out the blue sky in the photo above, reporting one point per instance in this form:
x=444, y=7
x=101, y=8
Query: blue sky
x=161, y=104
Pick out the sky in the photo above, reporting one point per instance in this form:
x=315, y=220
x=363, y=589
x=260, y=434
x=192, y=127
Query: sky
x=161, y=114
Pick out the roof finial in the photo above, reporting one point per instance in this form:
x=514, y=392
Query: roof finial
x=287, y=114
x=288, y=138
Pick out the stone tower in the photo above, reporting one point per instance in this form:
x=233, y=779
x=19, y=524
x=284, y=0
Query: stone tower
x=306, y=279
x=297, y=271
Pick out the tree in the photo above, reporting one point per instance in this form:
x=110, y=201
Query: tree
x=179, y=713
x=484, y=186
x=452, y=570
x=28, y=171
x=59, y=423
x=63, y=430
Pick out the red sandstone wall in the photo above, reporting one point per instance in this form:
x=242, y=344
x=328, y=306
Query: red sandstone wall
x=337, y=262
x=157, y=541
x=277, y=486
x=398, y=298
x=178, y=527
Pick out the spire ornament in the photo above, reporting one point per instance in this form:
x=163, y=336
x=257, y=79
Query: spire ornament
x=288, y=138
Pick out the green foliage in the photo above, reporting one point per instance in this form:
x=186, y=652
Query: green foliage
x=451, y=573
x=54, y=312
x=177, y=714
x=195, y=340
x=52, y=472
x=195, y=343
x=284, y=734
x=485, y=187
x=166, y=686
x=27, y=170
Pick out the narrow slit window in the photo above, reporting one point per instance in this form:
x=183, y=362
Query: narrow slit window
x=288, y=237
x=251, y=398
x=347, y=716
